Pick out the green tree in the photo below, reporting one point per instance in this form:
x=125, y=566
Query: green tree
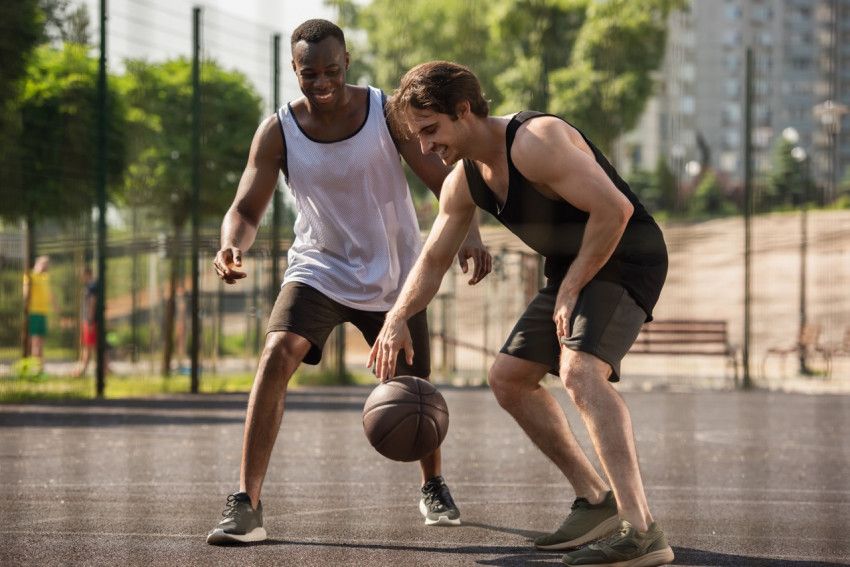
x=20, y=30
x=789, y=182
x=710, y=199
x=531, y=40
x=609, y=79
x=159, y=176
x=55, y=155
x=668, y=199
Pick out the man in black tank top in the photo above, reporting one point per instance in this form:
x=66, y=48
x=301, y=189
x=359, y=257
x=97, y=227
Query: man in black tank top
x=606, y=262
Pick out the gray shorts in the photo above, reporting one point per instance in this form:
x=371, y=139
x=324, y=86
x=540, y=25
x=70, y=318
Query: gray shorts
x=307, y=312
x=605, y=323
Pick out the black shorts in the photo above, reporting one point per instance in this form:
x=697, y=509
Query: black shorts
x=605, y=323
x=302, y=310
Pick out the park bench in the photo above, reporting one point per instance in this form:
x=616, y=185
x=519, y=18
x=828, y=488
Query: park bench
x=808, y=341
x=687, y=337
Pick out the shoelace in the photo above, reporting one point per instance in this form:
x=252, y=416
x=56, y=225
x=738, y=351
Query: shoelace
x=230, y=509
x=434, y=493
x=622, y=532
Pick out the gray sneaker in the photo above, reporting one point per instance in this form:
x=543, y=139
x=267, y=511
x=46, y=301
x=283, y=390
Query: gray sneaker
x=626, y=548
x=586, y=522
x=241, y=523
x=437, y=504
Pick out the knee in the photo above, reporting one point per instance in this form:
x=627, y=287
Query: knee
x=578, y=379
x=282, y=353
x=503, y=387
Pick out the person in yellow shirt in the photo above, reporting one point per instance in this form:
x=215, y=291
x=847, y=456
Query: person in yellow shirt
x=38, y=301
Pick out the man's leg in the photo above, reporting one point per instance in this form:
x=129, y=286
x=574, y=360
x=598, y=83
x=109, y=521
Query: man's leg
x=607, y=419
x=84, y=360
x=516, y=384
x=37, y=349
x=282, y=354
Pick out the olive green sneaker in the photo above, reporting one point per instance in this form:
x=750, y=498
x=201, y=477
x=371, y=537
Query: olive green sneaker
x=586, y=522
x=241, y=522
x=626, y=548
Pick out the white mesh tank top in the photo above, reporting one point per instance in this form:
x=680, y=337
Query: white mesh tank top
x=356, y=234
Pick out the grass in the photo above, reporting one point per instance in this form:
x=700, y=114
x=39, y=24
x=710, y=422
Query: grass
x=46, y=387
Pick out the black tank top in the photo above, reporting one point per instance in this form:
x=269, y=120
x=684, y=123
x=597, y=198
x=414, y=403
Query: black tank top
x=554, y=228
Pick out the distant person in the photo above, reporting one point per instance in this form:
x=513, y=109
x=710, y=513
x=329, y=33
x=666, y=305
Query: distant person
x=356, y=238
x=38, y=301
x=606, y=262
x=88, y=328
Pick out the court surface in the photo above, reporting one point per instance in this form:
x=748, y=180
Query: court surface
x=734, y=478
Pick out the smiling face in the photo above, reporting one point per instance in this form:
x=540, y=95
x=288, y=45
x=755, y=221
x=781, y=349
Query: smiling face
x=320, y=68
x=439, y=133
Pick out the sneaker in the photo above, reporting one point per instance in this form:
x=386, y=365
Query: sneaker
x=241, y=523
x=586, y=522
x=626, y=548
x=437, y=504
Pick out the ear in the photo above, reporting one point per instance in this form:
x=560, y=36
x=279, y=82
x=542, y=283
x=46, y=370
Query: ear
x=347, y=60
x=462, y=109
x=293, y=64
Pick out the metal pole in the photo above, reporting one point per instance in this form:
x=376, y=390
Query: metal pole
x=196, y=194
x=804, y=369
x=100, y=319
x=134, y=290
x=748, y=206
x=277, y=205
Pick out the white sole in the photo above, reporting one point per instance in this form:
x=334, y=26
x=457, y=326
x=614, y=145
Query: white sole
x=218, y=536
x=654, y=559
x=441, y=521
x=600, y=531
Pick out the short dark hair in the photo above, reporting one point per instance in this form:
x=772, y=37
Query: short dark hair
x=314, y=31
x=438, y=86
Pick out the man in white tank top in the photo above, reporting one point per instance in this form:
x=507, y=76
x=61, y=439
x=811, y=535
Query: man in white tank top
x=356, y=239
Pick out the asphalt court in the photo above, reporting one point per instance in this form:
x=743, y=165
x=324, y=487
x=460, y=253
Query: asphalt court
x=734, y=478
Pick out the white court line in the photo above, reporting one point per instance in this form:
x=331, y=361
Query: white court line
x=564, y=485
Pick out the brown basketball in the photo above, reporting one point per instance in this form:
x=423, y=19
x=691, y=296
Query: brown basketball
x=406, y=418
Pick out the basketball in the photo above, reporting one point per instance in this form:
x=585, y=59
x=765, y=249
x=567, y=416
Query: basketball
x=406, y=418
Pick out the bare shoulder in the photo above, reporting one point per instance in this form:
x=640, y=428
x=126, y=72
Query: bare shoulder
x=545, y=132
x=537, y=140
x=268, y=139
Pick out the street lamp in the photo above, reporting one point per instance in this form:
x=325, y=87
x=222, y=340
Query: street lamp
x=799, y=155
x=829, y=113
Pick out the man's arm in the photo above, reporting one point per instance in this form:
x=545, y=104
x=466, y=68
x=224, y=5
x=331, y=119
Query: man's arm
x=433, y=172
x=448, y=233
x=256, y=188
x=577, y=178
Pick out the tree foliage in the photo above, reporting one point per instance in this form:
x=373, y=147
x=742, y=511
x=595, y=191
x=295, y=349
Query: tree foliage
x=790, y=182
x=710, y=198
x=588, y=61
x=56, y=150
x=159, y=96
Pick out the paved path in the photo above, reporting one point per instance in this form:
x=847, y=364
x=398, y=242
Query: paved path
x=756, y=479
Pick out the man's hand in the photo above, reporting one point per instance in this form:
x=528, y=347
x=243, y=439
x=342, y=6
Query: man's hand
x=565, y=303
x=473, y=248
x=225, y=263
x=394, y=336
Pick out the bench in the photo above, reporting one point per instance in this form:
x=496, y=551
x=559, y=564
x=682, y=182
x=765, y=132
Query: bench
x=687, y=337
x=808, y=342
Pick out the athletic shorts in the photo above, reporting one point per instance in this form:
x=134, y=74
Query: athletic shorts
x=89, y=334
x=303, y=310
x=37, y=325
x=605, y=323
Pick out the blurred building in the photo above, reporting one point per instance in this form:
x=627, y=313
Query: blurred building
x=802, y=59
